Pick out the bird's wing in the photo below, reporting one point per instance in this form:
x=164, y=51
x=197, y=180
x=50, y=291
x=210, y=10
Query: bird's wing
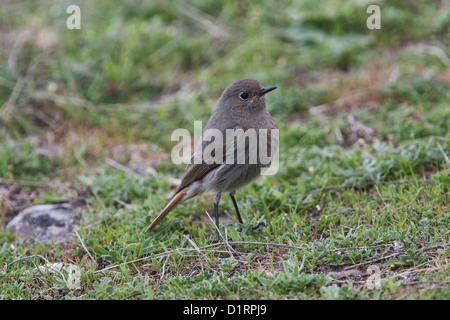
x=209, y=153
x=195, y=172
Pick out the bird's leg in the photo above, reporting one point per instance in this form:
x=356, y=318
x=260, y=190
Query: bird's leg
x=236, y=206
x=239, y=215
x=216, y=214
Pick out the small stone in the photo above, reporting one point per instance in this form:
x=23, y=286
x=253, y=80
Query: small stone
x=44, y=224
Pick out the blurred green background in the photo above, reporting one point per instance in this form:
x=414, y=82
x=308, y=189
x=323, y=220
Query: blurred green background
x=139, y=69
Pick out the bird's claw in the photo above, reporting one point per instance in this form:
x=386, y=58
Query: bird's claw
x=262, y=223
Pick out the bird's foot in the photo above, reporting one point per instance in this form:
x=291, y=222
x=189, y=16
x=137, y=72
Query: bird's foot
x=262, y=223
x=217, y=239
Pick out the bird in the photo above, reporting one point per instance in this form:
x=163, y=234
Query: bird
x=242, y=109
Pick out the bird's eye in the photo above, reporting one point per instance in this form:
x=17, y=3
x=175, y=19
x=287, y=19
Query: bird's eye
x=244, y=96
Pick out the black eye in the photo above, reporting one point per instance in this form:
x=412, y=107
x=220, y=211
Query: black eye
x=244, y=96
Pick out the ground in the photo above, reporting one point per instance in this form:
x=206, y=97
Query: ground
x=358, y=210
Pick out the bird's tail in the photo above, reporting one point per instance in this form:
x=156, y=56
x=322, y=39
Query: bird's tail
x=177, y=198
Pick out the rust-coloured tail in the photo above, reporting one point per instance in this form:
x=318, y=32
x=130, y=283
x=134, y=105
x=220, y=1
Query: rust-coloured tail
x=177, y=198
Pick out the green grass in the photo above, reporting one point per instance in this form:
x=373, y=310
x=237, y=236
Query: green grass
x=346, y=198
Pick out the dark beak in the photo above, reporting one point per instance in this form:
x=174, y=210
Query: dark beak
x=265, y=90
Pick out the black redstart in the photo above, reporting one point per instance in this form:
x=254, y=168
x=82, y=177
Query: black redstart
x=223, y=164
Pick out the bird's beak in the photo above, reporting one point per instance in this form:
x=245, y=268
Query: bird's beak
x=266, y=90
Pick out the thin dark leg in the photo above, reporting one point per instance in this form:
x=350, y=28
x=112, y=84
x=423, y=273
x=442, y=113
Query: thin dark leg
x=236, y=208
x=216, y=213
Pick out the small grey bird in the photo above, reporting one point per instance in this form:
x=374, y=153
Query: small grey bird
x=241, y=109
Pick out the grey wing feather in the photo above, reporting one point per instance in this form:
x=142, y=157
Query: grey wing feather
x=195, y=171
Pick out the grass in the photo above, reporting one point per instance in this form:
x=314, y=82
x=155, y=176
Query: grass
x=86, y=117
